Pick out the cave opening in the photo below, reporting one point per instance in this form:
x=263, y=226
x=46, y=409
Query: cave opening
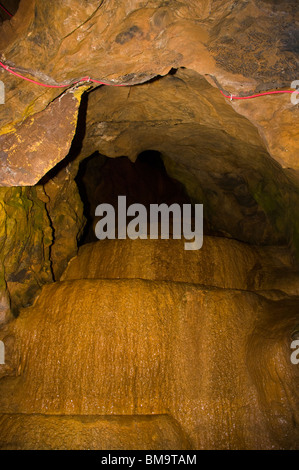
x=169, y=308
x=137, y=343
x=157, y=143
x=102, y=180
x=172, y=140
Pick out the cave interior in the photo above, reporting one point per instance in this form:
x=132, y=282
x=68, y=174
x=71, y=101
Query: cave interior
x=140, y=344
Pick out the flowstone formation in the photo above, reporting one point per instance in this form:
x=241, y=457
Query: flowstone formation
x=141, y=330
x=139, y=344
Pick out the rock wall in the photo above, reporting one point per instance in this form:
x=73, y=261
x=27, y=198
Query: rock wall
x=39, y=227
x=229, y=155
x=26, y=237
x=213, y=361
x=241, y=47
x=189, y=350
x=217, y=154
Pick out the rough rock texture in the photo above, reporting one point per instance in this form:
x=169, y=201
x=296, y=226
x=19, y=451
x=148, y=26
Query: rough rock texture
x=215, y=153
x=39, y=227
x=25, y=240
x=49, y=133
x=33, y=432
x=201, y=355
x=141, y=344
x=220, y=262
x=239, y=46
x=223, y=152
x=65, y=210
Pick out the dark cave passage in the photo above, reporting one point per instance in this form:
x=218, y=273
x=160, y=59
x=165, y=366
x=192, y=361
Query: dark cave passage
x=102, y=180
x=129, y=115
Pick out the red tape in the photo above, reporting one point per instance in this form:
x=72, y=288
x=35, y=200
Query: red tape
x=85, y=79
x=232, y=97
x=88, y=79
x=6, y=11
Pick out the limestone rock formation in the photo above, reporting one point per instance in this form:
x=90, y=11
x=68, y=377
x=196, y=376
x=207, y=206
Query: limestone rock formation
x=93, y=432
x=196, y=354
x=26, y=237
x=216, y=154
x=220, y=263
x=230, y=44
x=138, y=344
x=223, y=158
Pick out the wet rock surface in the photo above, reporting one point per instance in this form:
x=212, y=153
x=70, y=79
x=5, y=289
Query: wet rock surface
x=215, y=153
x=199, y=354
x=231, y=44
x=138, y=344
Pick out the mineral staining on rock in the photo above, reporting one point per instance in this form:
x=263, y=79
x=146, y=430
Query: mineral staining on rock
x=152, y=344
x=43, y=140
x=138, y=344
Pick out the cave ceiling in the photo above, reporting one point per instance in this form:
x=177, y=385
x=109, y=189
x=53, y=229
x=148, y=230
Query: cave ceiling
x=240, y=157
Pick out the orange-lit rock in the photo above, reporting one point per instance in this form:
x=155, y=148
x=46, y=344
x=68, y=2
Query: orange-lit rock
x=140, y=344
x=215, y=153
x=220, y=263
x=92, y=432
x=47, y=133
x=200, y=355
x=239, y=47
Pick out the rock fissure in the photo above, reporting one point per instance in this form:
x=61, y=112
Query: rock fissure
x=140, y=344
